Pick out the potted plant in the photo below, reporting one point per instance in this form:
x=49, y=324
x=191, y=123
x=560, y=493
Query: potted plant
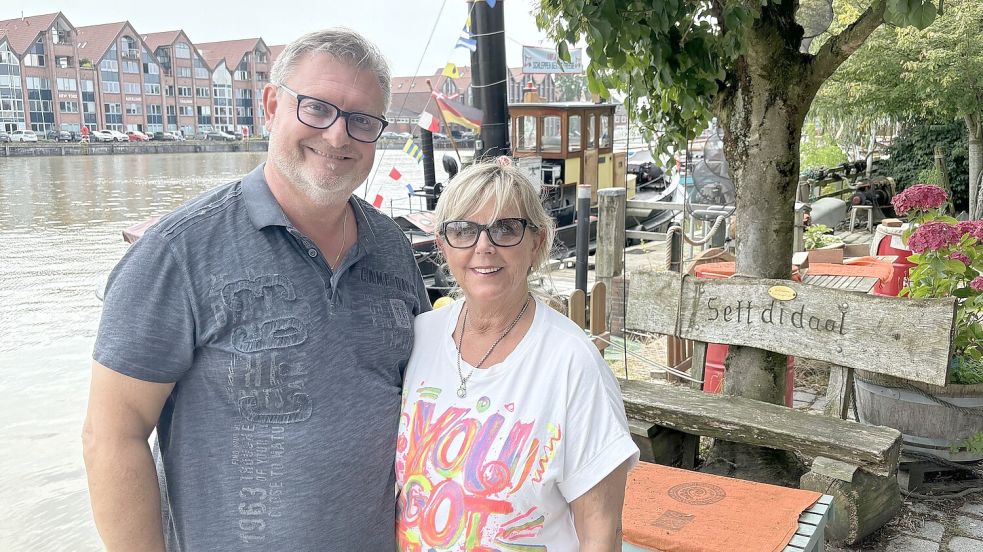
x=948, y=262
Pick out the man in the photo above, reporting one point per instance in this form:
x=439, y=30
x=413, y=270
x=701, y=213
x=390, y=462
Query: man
x=262, y=329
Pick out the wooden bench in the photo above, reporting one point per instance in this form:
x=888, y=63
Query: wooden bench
x=855, y=463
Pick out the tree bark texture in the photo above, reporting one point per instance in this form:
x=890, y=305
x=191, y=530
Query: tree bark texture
x=974, y=131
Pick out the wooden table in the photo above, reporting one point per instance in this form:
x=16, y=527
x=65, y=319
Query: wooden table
x=860, y=284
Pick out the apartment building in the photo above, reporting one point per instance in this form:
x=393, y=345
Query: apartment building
x=241, y=70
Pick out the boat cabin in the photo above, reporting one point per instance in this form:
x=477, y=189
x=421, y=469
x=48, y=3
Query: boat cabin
x=574, y=142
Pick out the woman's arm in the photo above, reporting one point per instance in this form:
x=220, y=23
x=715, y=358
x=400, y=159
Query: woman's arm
x=597, y=513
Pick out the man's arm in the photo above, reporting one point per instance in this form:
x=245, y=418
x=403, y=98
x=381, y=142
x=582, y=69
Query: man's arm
x=597, y=513
x=123, y=488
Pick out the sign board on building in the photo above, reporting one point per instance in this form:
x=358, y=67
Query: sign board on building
x=546, y=60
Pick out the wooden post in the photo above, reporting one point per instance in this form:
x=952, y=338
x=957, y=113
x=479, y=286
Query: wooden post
x=610, y=238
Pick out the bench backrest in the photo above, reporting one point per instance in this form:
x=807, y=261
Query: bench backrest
x=901, y=337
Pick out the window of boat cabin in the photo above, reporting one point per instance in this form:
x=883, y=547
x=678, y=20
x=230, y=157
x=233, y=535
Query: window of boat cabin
x=526, y=133
x=591, y=131
x=573, y=134
x=551, y=133
x=605, y=131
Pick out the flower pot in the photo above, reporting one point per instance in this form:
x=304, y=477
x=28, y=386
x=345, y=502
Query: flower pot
x=925, y=425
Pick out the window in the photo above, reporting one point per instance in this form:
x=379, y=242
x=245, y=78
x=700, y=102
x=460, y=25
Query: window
x=112, y=108
x=244, y=94
x=573, y=134
x=260, y=56
x=131, y=87
x=201, y=73
x=109, y=65
x=526, y=129
x=67, y=85
x=151, y=89
x=262, y=77
x=169, y=91
x=151, y=68
x=134, y=109
x=64, y=62
x=204, y=110
x=182, y=50
x=131, y=67
x=88, y=107
x=38, y=83
x=605, y=132
x=153, y=109
x=35, y=54
x=68, y=107
x=201, y=91
x=88, y=86
x=551, y=133
x=111, y=87
x=185, y=110
x=591, y=131
x=184, y=72
x=184, y=91
x=242, y=75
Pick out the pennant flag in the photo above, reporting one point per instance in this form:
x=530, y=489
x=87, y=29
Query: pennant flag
x=377, y=203
x=409, y=189
x=428, y=122
x=465, y=40
x=394, y=174
x=458, y=113
x=413, y=150
x=491, y=3
x=450, y=70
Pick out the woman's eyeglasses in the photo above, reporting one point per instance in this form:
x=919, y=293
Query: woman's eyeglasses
x=320, y=114
x=506, y=232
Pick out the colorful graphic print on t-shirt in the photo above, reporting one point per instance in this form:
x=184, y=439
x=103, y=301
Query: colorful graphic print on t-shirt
x=469, y=473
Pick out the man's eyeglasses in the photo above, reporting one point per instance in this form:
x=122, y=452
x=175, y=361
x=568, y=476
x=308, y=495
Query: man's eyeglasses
x=320, y=114
x=506, y=232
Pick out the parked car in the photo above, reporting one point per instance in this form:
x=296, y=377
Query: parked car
x=238, y=135
x=136, y=136
x=164, y=136
x=58, y=136
x=4, y=136
x=117, y=135
x=23, y=136
x=101, y=136
x=219, y=135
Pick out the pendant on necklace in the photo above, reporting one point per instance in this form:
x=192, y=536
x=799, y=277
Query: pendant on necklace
x=462, y=391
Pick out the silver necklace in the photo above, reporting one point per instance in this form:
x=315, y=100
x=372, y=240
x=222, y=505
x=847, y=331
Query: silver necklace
x=344, y=236
x=462, y=390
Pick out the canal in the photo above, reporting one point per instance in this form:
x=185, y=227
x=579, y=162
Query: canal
x=61, y=220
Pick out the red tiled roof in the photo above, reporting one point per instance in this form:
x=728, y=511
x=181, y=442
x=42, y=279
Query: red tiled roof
x=275, y=52
x=21, y=33
x=229, y=50
x=156, y=40
x=94, y=40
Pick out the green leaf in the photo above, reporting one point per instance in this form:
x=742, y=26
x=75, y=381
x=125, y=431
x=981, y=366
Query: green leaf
x=563, y=51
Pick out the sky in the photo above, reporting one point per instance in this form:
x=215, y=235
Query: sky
x=401, y=29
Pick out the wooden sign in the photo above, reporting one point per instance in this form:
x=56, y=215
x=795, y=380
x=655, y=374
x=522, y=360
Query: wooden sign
x=906, y=338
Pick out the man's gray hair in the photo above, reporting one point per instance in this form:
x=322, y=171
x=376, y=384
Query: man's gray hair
x=344, y=45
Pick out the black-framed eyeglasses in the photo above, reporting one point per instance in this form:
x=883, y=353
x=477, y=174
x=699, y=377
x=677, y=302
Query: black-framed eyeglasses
x=320, y=114
x=505, y=232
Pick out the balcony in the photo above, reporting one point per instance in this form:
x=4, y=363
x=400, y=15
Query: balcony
x=130, y=54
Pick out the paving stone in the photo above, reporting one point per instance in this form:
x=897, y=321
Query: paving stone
x=976, y=509
x=971, y=527
x=962, y=544
x=919, y=508
x=907, y=543
x=930, y=530
x=804, y=396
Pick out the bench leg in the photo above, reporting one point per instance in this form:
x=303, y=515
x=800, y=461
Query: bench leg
x=661, y=445
x=860, y=506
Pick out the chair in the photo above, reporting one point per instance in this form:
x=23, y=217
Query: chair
x=870, y=216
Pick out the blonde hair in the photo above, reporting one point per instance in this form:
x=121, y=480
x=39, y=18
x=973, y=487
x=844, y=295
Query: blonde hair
x=489, y=183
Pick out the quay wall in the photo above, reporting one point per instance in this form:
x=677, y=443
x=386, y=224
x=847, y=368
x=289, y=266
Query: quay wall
x=32, y=149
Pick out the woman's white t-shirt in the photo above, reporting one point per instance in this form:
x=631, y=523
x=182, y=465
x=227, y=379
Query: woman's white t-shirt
x=498, y=468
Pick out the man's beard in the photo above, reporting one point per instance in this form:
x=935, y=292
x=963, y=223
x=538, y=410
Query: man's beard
x=323, y=188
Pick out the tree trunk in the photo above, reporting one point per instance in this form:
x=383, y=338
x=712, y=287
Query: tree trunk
x=763, y=113
x=974, y=129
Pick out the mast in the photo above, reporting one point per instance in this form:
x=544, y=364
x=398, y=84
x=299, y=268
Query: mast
x=489, y=77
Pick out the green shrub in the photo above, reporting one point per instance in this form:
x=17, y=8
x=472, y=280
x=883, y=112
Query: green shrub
x=912, y=157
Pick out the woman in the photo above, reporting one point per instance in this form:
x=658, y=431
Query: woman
x=512, y=432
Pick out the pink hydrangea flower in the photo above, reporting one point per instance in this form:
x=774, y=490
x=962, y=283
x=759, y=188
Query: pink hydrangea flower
x=922, y=197
x=972, y=227
x=977, y=283
x=933, y=236
x=959, y=256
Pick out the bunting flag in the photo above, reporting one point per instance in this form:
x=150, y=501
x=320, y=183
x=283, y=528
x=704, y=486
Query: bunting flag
x=428, y=122
x=413, y=150
x=458, y=113
x=465, y=40
x=377, y=203
x=394, y=174
x=409, y=189
x=451, y=71
x=491, y=3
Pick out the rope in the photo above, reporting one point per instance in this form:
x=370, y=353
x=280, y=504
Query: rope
x=707, y=236
x=660, y=367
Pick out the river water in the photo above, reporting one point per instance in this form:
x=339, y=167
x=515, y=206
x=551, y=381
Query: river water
x=61, y=220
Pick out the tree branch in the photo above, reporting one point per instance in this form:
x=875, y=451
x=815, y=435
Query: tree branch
x=843, y=45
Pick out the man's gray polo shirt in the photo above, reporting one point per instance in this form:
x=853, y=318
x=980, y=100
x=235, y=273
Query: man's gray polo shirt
x=281, y=429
